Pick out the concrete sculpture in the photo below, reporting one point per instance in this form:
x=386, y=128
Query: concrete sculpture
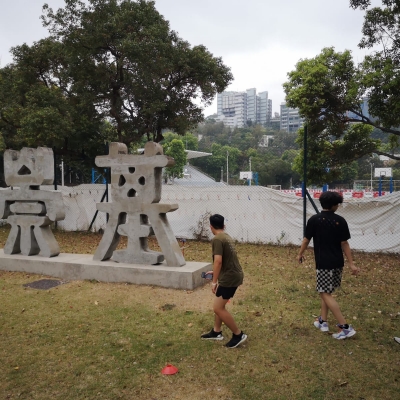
x=135, y=211
x=29, y=210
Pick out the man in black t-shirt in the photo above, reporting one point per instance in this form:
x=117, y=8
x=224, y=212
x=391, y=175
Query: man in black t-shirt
x=330, y=234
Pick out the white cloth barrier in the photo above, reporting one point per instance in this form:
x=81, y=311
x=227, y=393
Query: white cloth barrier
x=253, y=214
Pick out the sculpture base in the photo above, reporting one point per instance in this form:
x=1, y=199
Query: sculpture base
x=82, y=266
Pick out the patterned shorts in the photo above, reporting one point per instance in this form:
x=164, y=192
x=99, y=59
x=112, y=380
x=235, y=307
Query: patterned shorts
x=328, y=280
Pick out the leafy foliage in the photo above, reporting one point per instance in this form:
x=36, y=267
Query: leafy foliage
x=176, y=150
x=111, y=70
x=273, y=164
x=329, y=89
x=190, y=141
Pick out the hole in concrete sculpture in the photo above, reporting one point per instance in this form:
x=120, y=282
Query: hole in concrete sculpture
x=131, y=170
x=142, y=180
x=121, y=181
x=132, y=193
x=24, y=170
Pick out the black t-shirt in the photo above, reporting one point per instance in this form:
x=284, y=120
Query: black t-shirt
x=328, y=231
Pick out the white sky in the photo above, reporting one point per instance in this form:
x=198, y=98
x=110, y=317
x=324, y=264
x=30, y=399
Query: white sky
x=260, y=40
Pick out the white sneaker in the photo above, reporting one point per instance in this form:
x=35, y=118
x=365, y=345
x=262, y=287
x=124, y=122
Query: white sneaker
x=397, y=339
x=344, y=333
x=323, y=327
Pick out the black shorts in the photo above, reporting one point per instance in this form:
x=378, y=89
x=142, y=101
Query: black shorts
x=226, y=292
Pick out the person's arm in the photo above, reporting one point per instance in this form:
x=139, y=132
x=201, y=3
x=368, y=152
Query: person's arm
x=347, y=252
x=216, y=270
x=304, y=245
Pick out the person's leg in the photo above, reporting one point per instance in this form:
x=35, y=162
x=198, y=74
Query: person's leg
x=324, y=310
x=332, y=305
x=217, y=323
x=223, y=315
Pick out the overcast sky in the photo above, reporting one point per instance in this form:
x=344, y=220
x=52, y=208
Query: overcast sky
x=260, y=40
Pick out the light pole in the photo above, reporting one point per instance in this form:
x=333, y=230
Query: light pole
x=250, y=171
x=372, y=164
x=227, y=168
x=62, y=172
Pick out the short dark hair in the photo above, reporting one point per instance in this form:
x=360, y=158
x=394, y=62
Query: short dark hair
x=330, y=199
x=217, y=221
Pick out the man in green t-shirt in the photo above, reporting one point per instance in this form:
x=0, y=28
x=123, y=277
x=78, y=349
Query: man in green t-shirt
x=227, y=276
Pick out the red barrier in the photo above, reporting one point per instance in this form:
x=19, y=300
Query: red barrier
x=358, y=195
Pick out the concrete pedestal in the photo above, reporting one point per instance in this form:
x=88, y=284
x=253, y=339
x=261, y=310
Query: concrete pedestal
x=82, y=266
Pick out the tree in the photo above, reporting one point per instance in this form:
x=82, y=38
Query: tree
x=212, y=164
x=143, y=74
x=189, y=141
x=328, y=156
x=175, y=149
x=329, y=88
x=113, y=60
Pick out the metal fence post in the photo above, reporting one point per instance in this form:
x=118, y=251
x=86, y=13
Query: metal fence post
x=304, y=180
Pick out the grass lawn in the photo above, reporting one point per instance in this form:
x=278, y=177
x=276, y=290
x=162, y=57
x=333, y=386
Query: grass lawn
x=91, y=340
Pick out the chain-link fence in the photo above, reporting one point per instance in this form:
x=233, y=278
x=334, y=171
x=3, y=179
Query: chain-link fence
x=253, y=214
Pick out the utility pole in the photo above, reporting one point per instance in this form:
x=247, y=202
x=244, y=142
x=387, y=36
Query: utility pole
x=372, y=164
x=62, y=173
x=222, y=174
x=227, y=167
x=250, y=171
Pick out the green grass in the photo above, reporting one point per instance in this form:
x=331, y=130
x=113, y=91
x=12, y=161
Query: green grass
x=91, y=340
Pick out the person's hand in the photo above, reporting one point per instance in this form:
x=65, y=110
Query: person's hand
x=211, y=273
x=214, y=287
x=354, y=270
x=300, y=258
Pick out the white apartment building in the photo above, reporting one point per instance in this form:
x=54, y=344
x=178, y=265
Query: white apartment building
x=290, y=119
x=234, y=109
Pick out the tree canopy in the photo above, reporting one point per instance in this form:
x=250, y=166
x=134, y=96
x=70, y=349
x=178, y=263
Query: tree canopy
x=329, y=91
x=175, y=149
x=110, y=70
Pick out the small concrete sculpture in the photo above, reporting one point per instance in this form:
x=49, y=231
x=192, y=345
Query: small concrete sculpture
x=135, y=210
x=29, y=210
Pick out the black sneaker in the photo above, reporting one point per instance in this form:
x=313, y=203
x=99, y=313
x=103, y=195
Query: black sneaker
x=212, y=335
x=236, y=340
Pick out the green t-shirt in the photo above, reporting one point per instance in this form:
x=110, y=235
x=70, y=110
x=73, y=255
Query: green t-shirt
x=231, y=274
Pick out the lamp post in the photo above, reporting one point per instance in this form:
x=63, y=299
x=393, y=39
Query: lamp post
x=227, y=168
x=250, y=171
x=372, y=164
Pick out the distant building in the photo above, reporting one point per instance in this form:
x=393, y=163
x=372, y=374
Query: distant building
x=266, y=140
x=275, y=122
x=236, y=109
x=290, y=119
x=364, y=110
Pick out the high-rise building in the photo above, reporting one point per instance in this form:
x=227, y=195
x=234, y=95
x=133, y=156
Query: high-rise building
x=290, y=119
x=364, y=108
x=265, y=109
x=236, y=109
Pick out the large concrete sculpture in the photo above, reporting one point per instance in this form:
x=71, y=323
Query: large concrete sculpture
x=29, y=210
x=135, y=211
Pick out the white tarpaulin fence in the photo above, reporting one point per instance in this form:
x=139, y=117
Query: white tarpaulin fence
x=253, y=214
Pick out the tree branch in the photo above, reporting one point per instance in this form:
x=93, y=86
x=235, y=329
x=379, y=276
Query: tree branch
x=392, y=156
